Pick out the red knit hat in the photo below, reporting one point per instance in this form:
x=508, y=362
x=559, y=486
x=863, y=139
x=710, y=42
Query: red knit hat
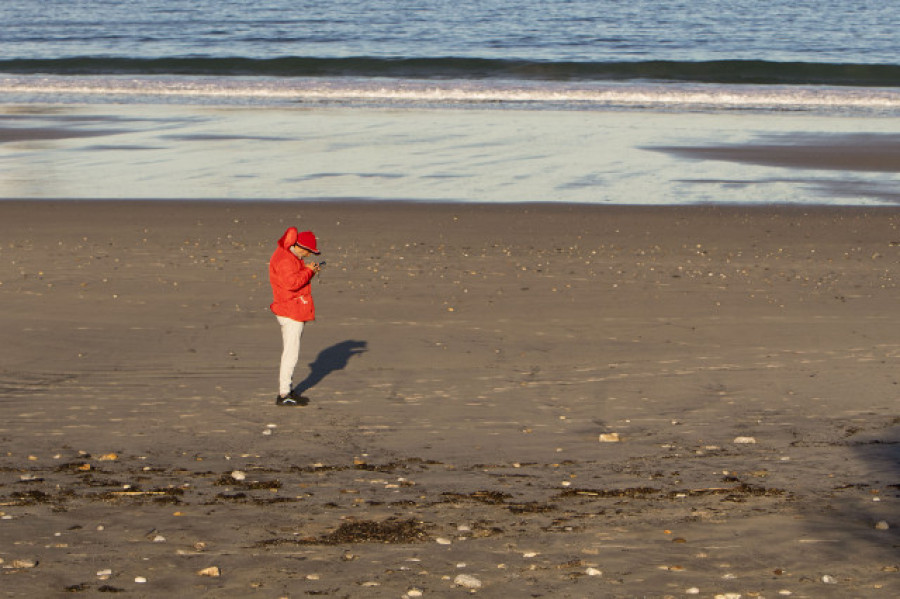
x=307, y=240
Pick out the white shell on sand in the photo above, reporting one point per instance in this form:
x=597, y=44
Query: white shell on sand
x=745, y=440
x=609, y=438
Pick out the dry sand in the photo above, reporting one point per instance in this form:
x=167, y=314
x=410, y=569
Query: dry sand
x=466, y=361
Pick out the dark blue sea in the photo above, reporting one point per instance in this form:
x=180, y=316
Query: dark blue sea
x=574, y=53
x=720, y=71
x=591, y=33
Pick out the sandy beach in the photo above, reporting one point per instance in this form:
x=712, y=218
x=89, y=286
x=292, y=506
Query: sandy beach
x=510, y=401
x=302, y=153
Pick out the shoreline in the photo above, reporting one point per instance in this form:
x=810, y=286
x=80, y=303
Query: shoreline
x=603, y=157
x=343, y=203
x=548, y=399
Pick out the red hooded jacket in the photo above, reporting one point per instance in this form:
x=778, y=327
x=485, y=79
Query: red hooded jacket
x=290, y=279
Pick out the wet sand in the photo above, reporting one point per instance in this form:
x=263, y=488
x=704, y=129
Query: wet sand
x=314, y=153
x=552, y=401
x=842, y=152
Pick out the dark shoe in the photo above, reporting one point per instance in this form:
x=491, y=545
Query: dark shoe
x=295, y=395
x=286, y=401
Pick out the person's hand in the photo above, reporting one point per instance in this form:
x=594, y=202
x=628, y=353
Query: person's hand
x=316, y=268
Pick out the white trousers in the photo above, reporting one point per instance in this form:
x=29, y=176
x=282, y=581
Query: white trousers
x=291, y=331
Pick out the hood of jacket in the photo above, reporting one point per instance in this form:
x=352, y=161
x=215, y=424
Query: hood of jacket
x=288, y=239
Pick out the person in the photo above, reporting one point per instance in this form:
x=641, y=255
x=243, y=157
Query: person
x=292, y=304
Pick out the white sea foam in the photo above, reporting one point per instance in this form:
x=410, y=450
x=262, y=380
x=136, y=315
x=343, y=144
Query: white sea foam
x=459, y=93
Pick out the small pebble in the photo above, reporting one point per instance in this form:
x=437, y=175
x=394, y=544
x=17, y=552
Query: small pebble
x=159, y=539
x=466, y=581
x=827, y=579
x=882, y=525
x=140, y=579
x=609, y=438
x=238, y=475
x=745, y=440
x=212, y=571
x=413, y=593
x=692, y=591
x=104, y=574
x=443, y=541
x=593, y=572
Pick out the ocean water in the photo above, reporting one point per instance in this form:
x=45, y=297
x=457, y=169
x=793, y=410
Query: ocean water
x=434, y=100
x=585, y=31
x=836, y=55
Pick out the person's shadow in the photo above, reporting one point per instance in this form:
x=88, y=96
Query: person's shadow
x=330, y=359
